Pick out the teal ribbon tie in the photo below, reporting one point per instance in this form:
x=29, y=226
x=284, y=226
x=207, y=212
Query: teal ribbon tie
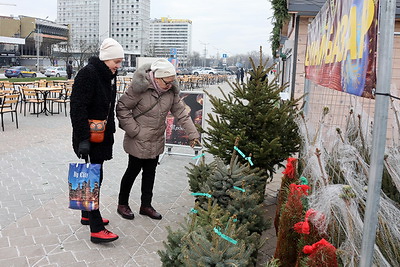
x=243, y=155
x=199, y=156
x=240, y=152
x=193, y=210
x=249, y=160
x=227, y=238
x=303, y=180
x=240, y=189
x=201, y=194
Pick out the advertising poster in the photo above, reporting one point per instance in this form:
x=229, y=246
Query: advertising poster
x=175, y=134
x=341, y=47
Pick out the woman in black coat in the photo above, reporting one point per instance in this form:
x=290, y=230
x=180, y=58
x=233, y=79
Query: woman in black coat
x=93, y=97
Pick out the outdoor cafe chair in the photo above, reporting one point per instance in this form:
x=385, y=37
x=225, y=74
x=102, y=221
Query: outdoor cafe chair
x=30, y=96
x=9, y=104
x=64, y=98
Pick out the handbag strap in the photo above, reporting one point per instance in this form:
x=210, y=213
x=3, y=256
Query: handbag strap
x=147, y=110
x=109, y=106
x=108, y=113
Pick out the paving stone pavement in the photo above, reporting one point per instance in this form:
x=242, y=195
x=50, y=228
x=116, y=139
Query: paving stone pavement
x=38, y=229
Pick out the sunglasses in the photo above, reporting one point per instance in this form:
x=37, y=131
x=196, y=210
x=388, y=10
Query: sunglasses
x=167, y=83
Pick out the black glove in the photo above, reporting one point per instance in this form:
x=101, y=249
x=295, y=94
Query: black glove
x=84, y=149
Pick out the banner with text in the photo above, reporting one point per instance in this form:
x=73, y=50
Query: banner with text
x=341, y=46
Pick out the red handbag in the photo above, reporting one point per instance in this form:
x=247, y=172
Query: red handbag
x=97, y=129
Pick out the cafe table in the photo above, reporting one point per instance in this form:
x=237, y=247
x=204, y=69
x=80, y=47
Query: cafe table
x=45, y=92
x=23, y=83
x=60, y=82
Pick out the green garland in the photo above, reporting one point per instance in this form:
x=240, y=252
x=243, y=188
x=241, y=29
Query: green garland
x=281, y=15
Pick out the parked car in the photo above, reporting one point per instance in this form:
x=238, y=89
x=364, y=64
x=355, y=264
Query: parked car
x=125, y=70
x=223, y=71
x=56, y=72
x=204, y=70
x=19, y=71
x=183, y=71
x=43, y=69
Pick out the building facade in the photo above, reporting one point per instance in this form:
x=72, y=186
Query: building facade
x=171, y=38
x=28, y=40
x=127, y=21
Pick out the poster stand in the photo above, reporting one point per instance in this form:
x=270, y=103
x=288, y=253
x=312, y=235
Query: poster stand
x=169, y=152
x=175, y=135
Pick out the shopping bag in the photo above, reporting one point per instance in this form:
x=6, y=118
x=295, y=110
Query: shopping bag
x=84, y=186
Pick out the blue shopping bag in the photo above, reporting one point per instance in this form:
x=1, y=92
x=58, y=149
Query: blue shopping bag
x=84, y=186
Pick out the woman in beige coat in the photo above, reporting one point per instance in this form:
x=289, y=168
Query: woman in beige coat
x=141, y=112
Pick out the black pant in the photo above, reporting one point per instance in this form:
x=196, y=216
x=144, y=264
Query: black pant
x=95, y=219
x=135, y=165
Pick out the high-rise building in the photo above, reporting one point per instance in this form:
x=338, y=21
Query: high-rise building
x=91, y=21
x=171, y=38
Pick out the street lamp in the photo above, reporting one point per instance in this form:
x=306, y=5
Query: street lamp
x=38, y=42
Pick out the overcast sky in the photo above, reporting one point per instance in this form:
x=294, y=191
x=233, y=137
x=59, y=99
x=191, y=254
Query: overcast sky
x=220, y=26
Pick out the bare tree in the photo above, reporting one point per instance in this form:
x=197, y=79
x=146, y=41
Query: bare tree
x=86, y=50
x=194, y=59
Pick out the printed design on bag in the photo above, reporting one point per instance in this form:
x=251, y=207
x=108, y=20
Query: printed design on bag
x=97, y=126
x=83, y=191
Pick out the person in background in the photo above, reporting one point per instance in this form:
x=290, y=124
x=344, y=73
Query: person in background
x=70, y=70
x=241, y=75
x=93, y=97
x=142, y=112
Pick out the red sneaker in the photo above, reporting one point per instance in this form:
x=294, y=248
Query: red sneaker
x=85, y=221
x=103, y=236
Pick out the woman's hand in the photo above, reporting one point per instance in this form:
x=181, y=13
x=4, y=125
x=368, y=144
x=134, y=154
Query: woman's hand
x=194, y=142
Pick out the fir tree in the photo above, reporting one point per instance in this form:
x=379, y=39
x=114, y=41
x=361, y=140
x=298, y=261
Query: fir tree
x=234, y=208
x=198, y=174
x=247, y=209
x=173, y=249
x=209, y=248
x=254, y=112
x=224, y=178
x=198, y=244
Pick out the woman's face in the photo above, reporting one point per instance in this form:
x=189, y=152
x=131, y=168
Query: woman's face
x=113, y=64
x=166, y=82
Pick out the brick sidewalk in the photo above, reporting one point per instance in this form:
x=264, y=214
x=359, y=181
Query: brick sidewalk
x=38, y=229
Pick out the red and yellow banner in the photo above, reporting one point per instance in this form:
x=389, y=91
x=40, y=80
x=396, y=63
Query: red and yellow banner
x=341, y=46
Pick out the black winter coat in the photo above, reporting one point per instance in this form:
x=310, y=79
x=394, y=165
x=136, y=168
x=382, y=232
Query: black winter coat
x=93, y=97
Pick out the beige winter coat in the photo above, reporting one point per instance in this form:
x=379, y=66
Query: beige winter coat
x=144, y=136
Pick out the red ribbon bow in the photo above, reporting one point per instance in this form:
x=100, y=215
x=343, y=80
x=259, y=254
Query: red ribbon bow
x=303, y=189
x=304, y=227
x=316, y=246
x=290, y=168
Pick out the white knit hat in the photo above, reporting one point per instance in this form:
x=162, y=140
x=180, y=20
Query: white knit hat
x=110, y=49
x=162, y=68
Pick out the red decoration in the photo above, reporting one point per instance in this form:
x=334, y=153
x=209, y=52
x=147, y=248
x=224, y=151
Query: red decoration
x=290, y=170
x=314, y=247
x=322, y=253
x=292, y=212
x=303, y=189
x=304, y=227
